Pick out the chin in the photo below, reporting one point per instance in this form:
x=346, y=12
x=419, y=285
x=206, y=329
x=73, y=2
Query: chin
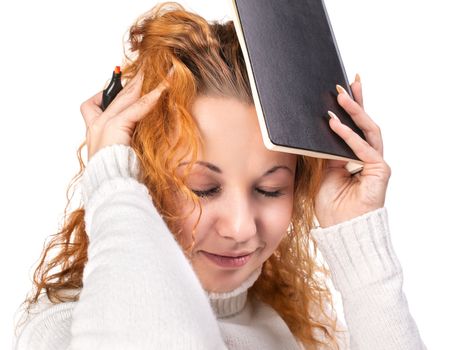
x=221, y=280
x=223, y=287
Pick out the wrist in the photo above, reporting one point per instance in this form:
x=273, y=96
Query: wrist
x=110, y=162
x=339, y=217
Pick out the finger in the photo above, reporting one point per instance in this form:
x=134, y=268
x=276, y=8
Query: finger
x=142, y=106
x=90, y=109
x=361, y=118
x=127, y=96
x=360, y=147
x=133, y=92
x=356, y=88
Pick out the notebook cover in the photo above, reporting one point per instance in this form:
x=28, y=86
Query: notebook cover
x=294, y=65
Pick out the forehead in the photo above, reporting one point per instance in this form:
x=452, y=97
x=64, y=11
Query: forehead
x=225, y=117
x=231, y=132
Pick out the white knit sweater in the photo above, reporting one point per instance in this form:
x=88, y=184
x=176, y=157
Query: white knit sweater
x=140, y=291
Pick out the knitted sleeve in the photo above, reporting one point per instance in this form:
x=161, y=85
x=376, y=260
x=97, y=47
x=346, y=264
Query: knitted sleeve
x=139, y=290
x=367, y=273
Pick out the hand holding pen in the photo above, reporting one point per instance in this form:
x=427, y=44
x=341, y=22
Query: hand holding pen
x=115, y=124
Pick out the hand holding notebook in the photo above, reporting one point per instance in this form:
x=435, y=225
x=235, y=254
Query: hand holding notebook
x=343, y=196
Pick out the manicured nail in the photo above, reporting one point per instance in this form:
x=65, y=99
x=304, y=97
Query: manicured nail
x=357, y=78
x=332, y=115
x=341, y=90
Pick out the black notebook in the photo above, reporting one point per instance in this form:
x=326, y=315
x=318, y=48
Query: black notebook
x=294, y=64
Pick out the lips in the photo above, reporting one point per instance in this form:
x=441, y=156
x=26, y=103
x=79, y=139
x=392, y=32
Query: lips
x=228, y=261
x=232, y=255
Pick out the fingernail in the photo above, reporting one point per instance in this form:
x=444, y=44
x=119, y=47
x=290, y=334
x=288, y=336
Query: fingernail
x=341, y=90
x=170, y=72
x=357, y=78
x=160, y=87
x=135, y=79
x=332, y=115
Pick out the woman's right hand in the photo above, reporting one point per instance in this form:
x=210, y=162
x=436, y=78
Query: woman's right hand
x=116, y=124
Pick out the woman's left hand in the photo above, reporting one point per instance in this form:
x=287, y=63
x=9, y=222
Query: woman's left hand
x=343, y=196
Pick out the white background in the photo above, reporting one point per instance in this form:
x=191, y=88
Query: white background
x=56, y=54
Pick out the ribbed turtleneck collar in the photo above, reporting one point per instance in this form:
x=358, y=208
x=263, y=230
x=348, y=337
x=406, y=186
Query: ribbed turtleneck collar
x=226, y=304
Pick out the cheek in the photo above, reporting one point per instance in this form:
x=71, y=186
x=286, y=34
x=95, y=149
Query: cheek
x=208, y=216
x=275, y=220
x=186, y=225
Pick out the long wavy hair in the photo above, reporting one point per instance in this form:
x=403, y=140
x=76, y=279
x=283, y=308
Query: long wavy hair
x=207, y=60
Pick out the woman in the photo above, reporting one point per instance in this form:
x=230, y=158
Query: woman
x=192, y=235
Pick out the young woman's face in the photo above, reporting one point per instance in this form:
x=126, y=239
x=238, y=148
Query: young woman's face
x=246, y=194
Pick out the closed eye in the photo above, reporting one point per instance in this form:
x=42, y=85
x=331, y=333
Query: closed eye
x=269, y=194
x=213, y=191
x=207, y=193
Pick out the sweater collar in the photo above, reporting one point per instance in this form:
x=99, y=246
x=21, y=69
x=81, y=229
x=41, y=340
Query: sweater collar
x=227, y=304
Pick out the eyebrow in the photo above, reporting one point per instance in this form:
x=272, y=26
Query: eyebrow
x=216, y=169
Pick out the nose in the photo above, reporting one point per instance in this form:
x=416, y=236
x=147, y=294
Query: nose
x=237, y=219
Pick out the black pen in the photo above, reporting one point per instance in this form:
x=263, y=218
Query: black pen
x=112, y=89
